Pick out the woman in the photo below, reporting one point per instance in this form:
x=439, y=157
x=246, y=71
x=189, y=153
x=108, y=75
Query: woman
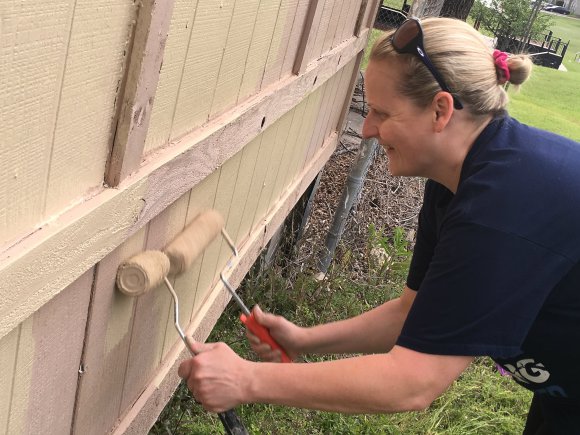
x=495, y=269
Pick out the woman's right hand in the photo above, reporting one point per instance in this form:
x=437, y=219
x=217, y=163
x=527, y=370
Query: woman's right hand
x=288, y=335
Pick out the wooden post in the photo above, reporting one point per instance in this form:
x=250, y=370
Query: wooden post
x=140, y=87
x=308, y=36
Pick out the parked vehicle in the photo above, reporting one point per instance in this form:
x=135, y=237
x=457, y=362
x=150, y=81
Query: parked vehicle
x=556, y=9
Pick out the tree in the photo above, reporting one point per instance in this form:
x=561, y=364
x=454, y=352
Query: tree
x=456, y=8
x=517, y=18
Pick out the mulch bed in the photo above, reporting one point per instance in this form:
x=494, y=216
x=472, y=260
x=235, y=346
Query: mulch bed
x=385, y=201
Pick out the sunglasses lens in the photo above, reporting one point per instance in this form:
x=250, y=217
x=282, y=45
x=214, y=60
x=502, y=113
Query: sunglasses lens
x=405, y=34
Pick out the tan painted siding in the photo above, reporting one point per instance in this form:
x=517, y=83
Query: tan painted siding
x=60, y=74
x=231, y=128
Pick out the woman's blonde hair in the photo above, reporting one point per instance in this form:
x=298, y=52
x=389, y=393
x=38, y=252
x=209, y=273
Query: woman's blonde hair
x=465, y=61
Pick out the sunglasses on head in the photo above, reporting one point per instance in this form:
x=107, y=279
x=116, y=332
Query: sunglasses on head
x=408, y=39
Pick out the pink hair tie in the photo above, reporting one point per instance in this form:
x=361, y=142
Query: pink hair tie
x=500, y=59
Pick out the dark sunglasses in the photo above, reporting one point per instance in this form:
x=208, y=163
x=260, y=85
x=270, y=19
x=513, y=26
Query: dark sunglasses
x=408, y=39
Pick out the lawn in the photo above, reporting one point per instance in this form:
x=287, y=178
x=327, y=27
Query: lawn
x=480, y=402
x=551, y=98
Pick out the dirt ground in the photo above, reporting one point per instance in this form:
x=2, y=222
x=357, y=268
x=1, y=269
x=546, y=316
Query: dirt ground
x=386, y=201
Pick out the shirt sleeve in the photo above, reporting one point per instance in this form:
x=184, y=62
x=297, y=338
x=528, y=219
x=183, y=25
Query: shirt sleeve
x=481, y=293
x=435, y=201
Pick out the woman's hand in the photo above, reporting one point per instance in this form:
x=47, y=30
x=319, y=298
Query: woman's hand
x=217, y=377
x=288, y=335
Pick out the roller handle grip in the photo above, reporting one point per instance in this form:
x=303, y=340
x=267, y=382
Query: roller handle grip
x=232, y=423
x=230, y=420
x=263, y=334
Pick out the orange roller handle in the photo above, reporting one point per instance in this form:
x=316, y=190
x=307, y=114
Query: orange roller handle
x=263, y=334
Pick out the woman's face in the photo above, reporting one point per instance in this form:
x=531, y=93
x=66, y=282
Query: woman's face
x=402, y=128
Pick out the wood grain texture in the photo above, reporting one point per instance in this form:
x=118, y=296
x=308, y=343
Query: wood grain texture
x=178, y=38
x=233, y=63
x=322, y=28
x=308, y=36
x=146, y=409
x=213, y=258
x=342, y=20
x=294, y=41
x=43, y=264
x=139, y=89
x=204, y=56
x=201, y=198
x=58, y=330
x=283, y=142
x=307, y=128
x=262, y=39
x=263, y=163
x=21, y=385
x=332, y=26
x=93, y=73
x=281, y=39
x=8, y=352
x=290, y=150
x=107, y=342
x=151, y=309
x=33, y=49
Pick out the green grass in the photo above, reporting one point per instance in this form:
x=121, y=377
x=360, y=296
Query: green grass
x=550, y=99
x=480, y=401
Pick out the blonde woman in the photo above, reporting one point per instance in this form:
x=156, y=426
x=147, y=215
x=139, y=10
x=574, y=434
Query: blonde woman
x=495, y=269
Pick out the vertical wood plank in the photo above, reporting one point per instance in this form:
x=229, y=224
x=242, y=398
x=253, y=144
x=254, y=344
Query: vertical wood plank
x=87, y=106
x=107, y=343
x=259, y=46
x=308, y=37
x=201, y=198
x=8, y=352
x=332, y=26
x=140, y=87
x=241, y=192
x=171, y=73
x=342, y=20
x=311, y=114
x=22, y=379
x=360, y=23
x=291, y=143
x=295, y=38
x=322, y=29
x=211, y=259
x=201, y=69
x=33, y=48
x=318, y=136
x=348, y=80
x=151, y=310
x=235, y=55
x=58, y=331
x=335, y=103
x=265, y=156
x=280, y=41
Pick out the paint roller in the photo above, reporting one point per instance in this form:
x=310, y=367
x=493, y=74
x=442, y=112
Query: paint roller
x=149, y=269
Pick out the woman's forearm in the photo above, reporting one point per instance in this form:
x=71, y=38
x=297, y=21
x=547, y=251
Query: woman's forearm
x=371, y=332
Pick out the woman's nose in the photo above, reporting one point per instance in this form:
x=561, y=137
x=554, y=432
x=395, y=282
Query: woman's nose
x=369, y=129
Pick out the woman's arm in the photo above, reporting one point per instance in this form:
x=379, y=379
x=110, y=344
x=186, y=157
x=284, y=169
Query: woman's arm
x=371, y=332
x=401, y=380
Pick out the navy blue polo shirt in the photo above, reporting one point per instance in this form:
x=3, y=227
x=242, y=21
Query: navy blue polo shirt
x=497, y=265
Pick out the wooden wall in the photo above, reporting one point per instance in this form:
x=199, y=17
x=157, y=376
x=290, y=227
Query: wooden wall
x=119, y=122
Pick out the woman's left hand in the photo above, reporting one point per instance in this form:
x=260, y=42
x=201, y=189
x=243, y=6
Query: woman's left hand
x=217, y=377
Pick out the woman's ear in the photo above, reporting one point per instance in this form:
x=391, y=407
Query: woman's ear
x=442, y=107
